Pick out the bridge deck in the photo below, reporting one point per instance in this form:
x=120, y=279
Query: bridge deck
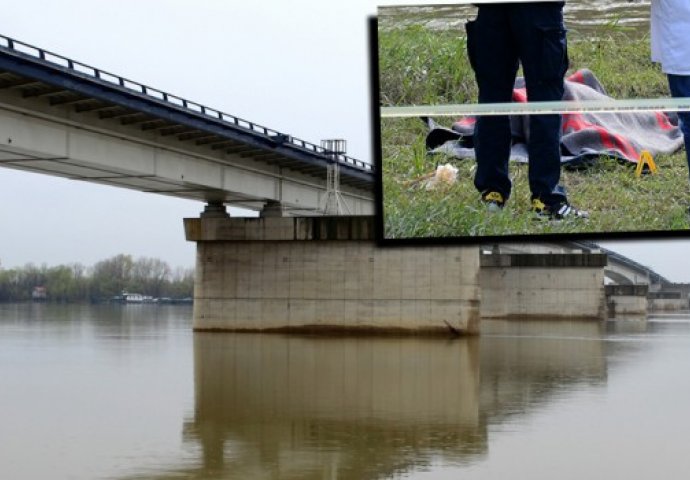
x=29, y=74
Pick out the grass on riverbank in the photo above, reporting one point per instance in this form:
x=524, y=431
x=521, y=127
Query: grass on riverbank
x=418, y=66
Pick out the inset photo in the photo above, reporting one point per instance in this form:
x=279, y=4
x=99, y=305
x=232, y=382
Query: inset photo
x=478, y=171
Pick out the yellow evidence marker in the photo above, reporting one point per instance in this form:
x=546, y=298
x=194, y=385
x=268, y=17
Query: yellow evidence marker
x=645, y=159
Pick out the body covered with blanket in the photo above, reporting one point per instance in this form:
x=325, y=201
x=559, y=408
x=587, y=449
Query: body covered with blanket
x=584, y=136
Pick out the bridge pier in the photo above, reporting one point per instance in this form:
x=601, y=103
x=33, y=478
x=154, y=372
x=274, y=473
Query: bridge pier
x=546, y=286
x=626, y=300
x=326, y=274
x=272, y=209
x=215, y=209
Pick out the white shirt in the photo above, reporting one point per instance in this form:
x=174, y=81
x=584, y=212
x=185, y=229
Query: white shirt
x=670, y=25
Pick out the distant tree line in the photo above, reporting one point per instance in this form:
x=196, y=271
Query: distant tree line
x=106, y=279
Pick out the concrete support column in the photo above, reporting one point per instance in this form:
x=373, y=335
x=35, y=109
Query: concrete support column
x=326, y=274
x=547, y=286
x=215, y=209
x=272, y=209
x=626, y=300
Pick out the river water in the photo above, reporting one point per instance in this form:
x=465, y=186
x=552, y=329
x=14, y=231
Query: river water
x=129, y=392
x=581, y=16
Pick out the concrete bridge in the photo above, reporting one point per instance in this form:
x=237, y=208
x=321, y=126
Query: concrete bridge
x=61, y=117
x=292, y=269
x=622, y=270
x=619, y=269
x=630, y=287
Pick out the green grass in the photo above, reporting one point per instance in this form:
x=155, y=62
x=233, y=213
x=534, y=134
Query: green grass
x=418, y=66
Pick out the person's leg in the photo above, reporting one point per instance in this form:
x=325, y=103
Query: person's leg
x=543, y=53
x=680, y=87
x=494, y=60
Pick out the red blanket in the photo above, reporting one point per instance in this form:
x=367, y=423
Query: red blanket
x=584, y=136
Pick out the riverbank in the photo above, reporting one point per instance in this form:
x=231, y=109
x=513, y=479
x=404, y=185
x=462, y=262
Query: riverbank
x=419, y=66
x=102, y=282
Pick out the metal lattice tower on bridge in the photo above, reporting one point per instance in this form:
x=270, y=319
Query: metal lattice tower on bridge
x=333, y=202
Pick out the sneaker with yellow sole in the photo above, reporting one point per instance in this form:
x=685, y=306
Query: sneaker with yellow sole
x=558, y=211
x=494, y=201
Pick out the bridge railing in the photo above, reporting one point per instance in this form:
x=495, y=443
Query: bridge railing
x=131, y=86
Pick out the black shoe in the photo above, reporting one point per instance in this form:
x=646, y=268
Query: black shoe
x=558, y=211
x=494, y=201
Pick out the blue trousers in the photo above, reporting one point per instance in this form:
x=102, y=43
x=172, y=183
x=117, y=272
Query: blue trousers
x=680, y=87
x=502, y=37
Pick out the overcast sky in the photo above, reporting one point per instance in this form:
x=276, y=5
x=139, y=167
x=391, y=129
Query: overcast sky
x=300, y=67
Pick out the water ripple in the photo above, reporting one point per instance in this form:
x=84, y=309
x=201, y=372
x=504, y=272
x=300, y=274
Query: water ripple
x=582, y=16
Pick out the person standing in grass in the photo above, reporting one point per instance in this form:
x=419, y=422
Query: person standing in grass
x=670, y=25
x=501, y=37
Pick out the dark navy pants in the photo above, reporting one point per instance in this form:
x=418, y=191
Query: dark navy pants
x=680, y=87
x=502, y=37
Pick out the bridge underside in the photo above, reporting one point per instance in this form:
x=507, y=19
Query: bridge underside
x=617, y=278
x=87, y=126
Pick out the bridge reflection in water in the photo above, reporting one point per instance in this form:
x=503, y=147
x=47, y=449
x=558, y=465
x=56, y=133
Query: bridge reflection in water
x=363, y=408
x=360, y=407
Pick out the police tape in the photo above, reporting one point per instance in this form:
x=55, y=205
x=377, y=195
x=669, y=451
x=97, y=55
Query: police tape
x=540, y=108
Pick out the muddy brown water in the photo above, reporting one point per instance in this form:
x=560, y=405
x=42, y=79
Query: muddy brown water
x=130, y=392
x=585, y=17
